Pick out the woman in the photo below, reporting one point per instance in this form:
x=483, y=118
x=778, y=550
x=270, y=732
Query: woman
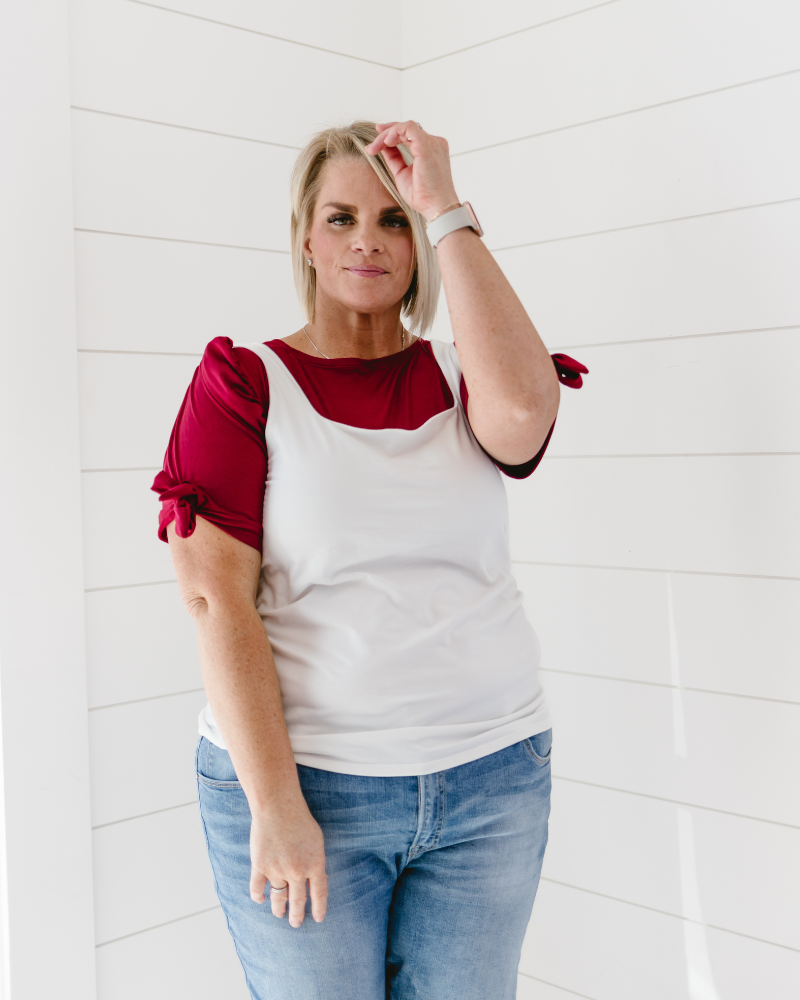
x=376, y=736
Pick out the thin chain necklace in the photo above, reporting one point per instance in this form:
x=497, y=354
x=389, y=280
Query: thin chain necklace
x=402, y=342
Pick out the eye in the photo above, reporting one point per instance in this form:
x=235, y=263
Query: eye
x=341, y=219
x=396, y=222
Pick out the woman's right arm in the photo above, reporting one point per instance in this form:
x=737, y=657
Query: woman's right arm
x=218, y=578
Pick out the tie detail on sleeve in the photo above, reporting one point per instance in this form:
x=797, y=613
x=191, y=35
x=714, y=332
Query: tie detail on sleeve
x=181, y=503
x=570, y=372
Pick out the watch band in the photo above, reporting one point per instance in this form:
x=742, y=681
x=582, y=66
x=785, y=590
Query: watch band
x=459, y=218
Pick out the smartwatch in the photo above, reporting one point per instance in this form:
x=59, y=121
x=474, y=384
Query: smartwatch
x=462, y=217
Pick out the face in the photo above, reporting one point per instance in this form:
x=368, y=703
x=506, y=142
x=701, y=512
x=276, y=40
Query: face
x=360, y=241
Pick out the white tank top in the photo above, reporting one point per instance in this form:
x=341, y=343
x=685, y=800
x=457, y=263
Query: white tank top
x=386, y=590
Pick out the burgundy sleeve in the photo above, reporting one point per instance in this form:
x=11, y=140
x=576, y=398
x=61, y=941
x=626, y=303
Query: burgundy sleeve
x=569, y=373
x=216, y=461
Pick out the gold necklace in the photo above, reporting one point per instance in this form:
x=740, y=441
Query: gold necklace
x=327, y=358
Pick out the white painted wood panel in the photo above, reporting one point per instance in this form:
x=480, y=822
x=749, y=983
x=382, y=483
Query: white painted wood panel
x=723, y=514
x=529, y=988
x=159, y=295
x=142, y=756
x=738, y=635
x=605, y=62
x=699, y=395
x=140, y=643
x=733, y=754
x=606, y=622
x=725, y=272
x=120, y=531
x=607, y=950
x=149, y=871
x=128, y=406
x=603, y=949
x=350, y=26
x=152, y=180
x=193, y=958
x=207, y=76
x=733, y=634
x=635, y=849
x=431, y=31
x=711, y=154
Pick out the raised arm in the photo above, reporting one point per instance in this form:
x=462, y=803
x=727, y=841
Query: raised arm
x=512, y=382
x=218, y=579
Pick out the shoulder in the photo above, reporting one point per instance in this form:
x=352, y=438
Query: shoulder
x=228, y=373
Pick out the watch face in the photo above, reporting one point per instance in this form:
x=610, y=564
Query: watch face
x=475, y=224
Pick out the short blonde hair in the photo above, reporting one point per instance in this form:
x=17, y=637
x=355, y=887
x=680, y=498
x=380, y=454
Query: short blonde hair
x=421, y=299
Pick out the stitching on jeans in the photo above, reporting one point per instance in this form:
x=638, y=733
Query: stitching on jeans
x=421, y=810
x=438, y=835
x=213, y=870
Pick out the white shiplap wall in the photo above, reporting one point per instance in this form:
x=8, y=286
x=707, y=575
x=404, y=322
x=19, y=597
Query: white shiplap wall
x=636, y=166
x=186, y=120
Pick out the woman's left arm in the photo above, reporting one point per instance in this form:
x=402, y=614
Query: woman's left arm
x=512, y=382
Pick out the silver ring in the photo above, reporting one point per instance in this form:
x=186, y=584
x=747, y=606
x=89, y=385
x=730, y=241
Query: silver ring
x=283, y=888
x=418, y=125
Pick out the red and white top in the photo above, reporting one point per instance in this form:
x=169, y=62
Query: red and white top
x=397, y=628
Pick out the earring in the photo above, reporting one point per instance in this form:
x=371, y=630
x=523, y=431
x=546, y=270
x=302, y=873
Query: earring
x=310, y=261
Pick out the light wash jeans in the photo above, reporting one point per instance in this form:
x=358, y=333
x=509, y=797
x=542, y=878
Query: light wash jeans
x=431, y=879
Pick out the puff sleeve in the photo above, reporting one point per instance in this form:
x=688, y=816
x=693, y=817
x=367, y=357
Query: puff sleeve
x=216, y=460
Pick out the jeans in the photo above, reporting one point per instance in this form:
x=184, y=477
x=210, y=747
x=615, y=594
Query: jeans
x=431, y=879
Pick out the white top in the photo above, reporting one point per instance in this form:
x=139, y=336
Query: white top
x=386, y=590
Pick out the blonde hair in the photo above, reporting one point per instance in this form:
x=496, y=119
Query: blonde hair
x=421, y=299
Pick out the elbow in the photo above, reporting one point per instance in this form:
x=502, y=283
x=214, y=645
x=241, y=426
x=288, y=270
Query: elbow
x=196, y=604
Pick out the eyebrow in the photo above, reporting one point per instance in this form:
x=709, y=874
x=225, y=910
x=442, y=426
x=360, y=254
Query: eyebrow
x=392, y=210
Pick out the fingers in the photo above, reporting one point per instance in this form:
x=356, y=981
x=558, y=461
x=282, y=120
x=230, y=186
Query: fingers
x=278, y=900
x=297, y=902
x=393, y=134
x=318, y=891
x=257, y=885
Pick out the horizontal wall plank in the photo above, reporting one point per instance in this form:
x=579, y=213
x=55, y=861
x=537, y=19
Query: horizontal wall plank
x=120, y=531
x=159, y=295
x=142, y=756
x=720, y=515
x=605, y=622
x=701, y=395
x=119, y=430
x=737, y=755
x=533, y=989
x=640, y=850
x=193, y=958
x=616, y=623
x=133, y=177
x=607, y=61
x=140, y=643
x=150, y=871
x=350, y=26
x=699, y=276
x=738, y=635
x=207, y=76
x=475, y=25
x=616, y=951
x=711, y=154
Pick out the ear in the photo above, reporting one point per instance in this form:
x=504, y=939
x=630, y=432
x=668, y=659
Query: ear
x=308, y=250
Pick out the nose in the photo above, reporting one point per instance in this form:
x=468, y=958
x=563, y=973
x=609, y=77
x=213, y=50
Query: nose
x=367, y=238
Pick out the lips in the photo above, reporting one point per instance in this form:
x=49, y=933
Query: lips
x=367, y=272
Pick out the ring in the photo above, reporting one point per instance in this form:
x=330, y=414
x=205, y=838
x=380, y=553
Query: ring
x=418, y=124
x=283, y=888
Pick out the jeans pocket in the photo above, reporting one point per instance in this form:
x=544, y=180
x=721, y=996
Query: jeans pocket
x=540, y=746
x=214, y=766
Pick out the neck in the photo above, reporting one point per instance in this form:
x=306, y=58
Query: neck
x=341, y=333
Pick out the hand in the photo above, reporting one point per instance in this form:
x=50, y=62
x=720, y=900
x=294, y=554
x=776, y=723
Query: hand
x=287, y=846
x=426, y=184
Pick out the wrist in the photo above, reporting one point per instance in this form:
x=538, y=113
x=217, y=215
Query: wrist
x=444, y=206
